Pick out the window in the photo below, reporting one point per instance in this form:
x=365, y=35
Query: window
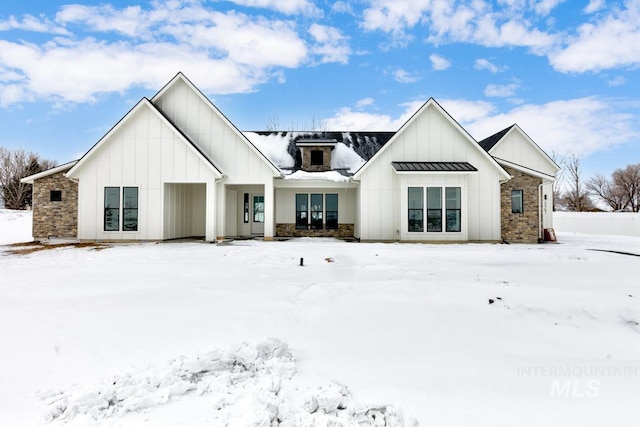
x=302, y=221
x=434, y=209
x=416, y=203
x=129, y=209
x=452, y=197
x=258, y=208
x=112, y=209
x=317, y=157
x=316, y=211
x=245, y=207
x=332, y=211
x=321, y=213
x=55, y=196
x=517, y=203
x=441, y=203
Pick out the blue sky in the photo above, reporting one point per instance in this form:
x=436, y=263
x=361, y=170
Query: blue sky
x=565, y=71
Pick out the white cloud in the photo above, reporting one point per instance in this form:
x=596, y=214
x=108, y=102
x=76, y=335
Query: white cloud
x=364, y=102
x=580, y=126
x=594, y=6
x=331, y=45
x=439, y=63
x=501, y=91
x=394, y=16
x=403, y=76
x=611, y=42
x=289, y=7
x=148, y=45
x=351, y=120
x=342, y=7
x=617, y=81
x=465, y=111
x=544, y=7
x=485, y=64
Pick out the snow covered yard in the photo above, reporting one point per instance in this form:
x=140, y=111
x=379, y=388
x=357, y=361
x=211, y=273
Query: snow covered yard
x=402, y=331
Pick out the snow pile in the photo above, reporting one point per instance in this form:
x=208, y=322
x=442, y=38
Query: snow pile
x=244, y=385
x=334, y=176
x=15, y=226
x=274, y=146
x=344, y=157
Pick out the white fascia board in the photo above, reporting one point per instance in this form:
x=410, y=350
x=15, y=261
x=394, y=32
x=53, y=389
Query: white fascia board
x=525, y=169
x=31, y=178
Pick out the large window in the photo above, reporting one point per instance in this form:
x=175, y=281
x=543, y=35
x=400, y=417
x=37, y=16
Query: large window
x=320, y=213
x=113, y=211
x=416, y=203
x=436, y=210
x=130, y=209
x=452, y=195
x=302, y=205
x=316, y=211
x=331, y=211
x=517, y=203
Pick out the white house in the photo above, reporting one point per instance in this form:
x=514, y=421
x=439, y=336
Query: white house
x=176, y=167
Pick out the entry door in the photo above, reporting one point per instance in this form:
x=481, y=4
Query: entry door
x=257, y=214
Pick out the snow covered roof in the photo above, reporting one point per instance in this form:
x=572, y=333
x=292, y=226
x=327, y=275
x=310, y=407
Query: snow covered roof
x=351, y=151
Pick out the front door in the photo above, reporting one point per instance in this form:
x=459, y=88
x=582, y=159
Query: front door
x=257, y=214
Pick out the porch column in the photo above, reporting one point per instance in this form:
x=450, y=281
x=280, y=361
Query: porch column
x=221, y=210
x=269, y=210
x=211, y=214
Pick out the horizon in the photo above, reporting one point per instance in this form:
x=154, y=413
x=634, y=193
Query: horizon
x=566, y=74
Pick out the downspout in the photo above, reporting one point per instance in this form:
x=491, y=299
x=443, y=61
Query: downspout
x=540, y=213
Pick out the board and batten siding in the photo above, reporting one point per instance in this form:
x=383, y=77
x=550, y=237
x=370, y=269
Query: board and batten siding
x=143, y=152
x=429, y=137
x=286, y=203
x=517, y=148
x=219, y=140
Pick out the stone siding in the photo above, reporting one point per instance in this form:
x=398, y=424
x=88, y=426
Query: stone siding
x=55, y=219
x=520, y=227
x=326, y=158
x=289, y=230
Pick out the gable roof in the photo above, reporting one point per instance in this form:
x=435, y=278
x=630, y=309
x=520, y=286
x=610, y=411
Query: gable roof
x=494, y=140
x=431, y=102
x=489, y=142
x=145, y=103
x=61, y=168
x=181, y=77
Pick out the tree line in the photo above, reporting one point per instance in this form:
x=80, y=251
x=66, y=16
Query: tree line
x=15, y=165
x=619, y=192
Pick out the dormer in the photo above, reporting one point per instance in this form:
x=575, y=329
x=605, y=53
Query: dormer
x=315, y=154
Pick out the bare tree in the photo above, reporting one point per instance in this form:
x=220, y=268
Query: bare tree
x=627, y=180
x=560, y=177
x=15, y=165
x=576, y=197
x=607, y=191
x=273, y=123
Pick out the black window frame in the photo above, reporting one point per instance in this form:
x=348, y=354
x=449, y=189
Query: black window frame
x=302, y=211
x=514, y=209
x=434, y=214
x=453, y=212
x=245, y=207
x=55, y=195
x=130, y=209
x=331, y=216
x=316, y=158
x=111, y=218
x=316, y=205
x=415, y=215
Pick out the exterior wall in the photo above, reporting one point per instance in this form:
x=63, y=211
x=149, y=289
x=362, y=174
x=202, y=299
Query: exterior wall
x=220, y=141
x=525, y=226
x=547, y=204
x=55, y=219
x=430, y=137
x=286, y=203
x=146, y=153
x=517, y=148
x=184, y=210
